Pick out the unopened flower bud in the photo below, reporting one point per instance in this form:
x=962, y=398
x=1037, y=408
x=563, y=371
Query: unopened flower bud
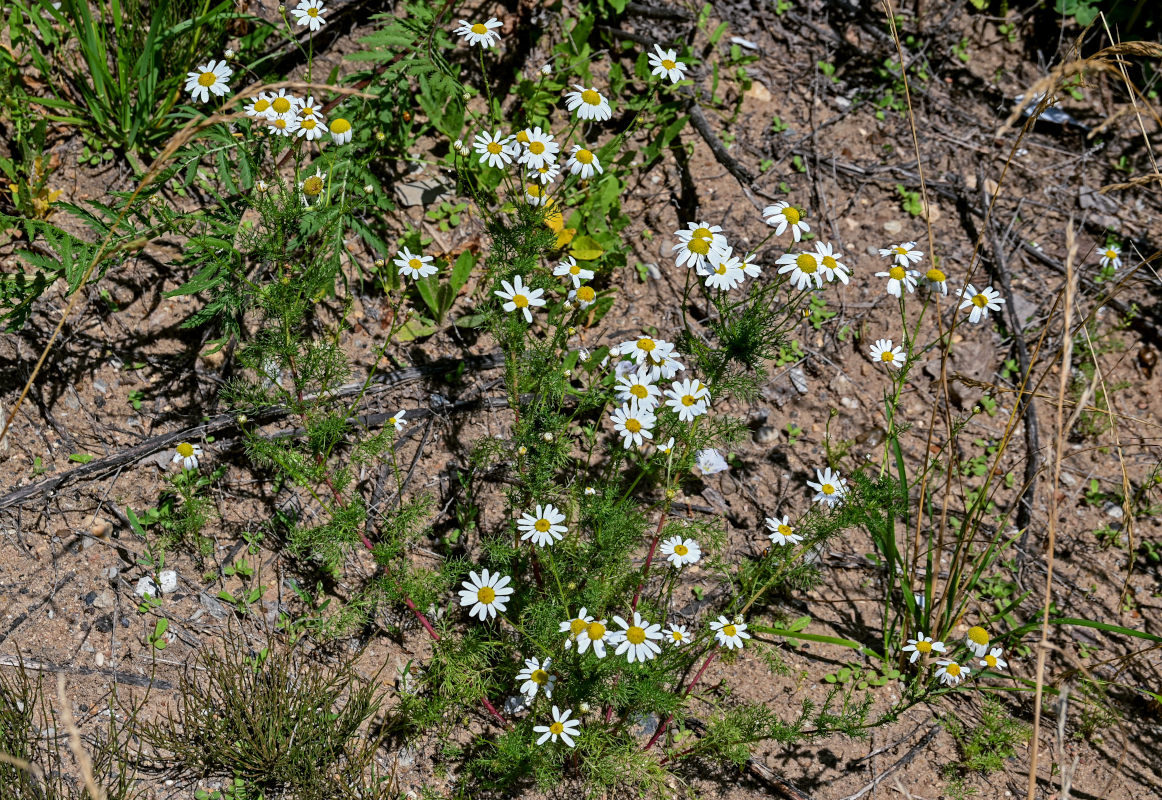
x=281, y=9
x=467, y=96
x=522, y=450
x=583, y=355
x=229, y=54
x=671, y=494
x=243, y=419
x=380, y=263
x=369, y=189
x=584, y=708
x=568, y=373
x=571, y=331
x=546, y=69
x=568, y=305
x=379, y=137
x=548, y=437
x=615, y=351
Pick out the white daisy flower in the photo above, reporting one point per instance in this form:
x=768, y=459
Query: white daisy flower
x=805, y=268
x=310, y=108
x=666, y=448
x=980, y=302
x=560, y=728
x=830, y=488
x=781, y=532
x=484, y=34
x=187, y=454
x=637, y=388
x=883, y=352
x=729, y=634
x=936, y=278
x=688, y=399
x=584, y=295
x=536, y=677
x=341, y=130
x=749, y=267
x=633, y=424
x=899, y=279
x=282, y=104
x=259, y=106
x=487, y=593
x=588, y=103
x=1112, y=256
x=575, y=627
x=677, y=635
x=830, y=264
x=725, y=271
x=977, y=641
x=993, y=660
x=535, y=194
x=397, y=421
x=539, y=150
x=665, y=64
x=281, y=124
x=519, y=296
x=903, y=254
x=207, y=78
x=922, y=646
x=680, y=552
x=543, y=527
x=546, y=174
x=493, y=148
x=583, y=162
x=413, y=265
x=571, y=269
x=950, y=673
x=783, y=215
x=310, y=128
x=699, y=246
x=595, y=634
x=639, y=640
x=311, y=189
x=710, y=461
x=590, y=491
x=309, y=13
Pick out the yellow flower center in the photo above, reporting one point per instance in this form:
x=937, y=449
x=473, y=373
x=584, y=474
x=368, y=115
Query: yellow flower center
x=976, y=633
x=556, y=728
x=936, y=276
x=591, y=97
x=486, y=595
x=729, y=631
x=261, y=104
x=785, y=530
x=636, y=634
x=520, y=301
x=991, y=661
x=668, y=64
x=953, y=670
x=806, y=263
x=639, y=391
x=791, y=214
x=595, y=630
x=721, y=269
x=539, y=677
x=340, y=125
x=280, y=124
x=415, y=264
x=308, y=123
x=980, y=301
x=702, y=233
x=676, y=636
x=584, y=156
x=923, y=646
x=887, y=355
x=688, y=400
x=207, y=79
x=542, y=525
x=312, y=12
x=576, y=626
x=536, y=148
x=185, y=449
x=699, y=246
x=586, y=294
x=391, y=420
x=897, y=273
x=632, y=425
x=480, y=28
x=828, y=489
x=574, y=270
x=830, y=262
x=313, y=186
x=646, y=344
x=495, y=148
x=280, y=105
x=534, y=190
x=681, y=549
x=523, y=137
x=900, y=251
x=1111, y=253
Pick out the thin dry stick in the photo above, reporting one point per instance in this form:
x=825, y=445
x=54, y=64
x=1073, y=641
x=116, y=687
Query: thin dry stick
x=1062, y=388
x=82, y=757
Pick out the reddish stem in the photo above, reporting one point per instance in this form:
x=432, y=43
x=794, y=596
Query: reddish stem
x=662, y=728
x=419, y=615
x=649, y=560
x=492, y=709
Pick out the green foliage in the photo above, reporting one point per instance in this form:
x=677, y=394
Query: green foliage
x=985, y=747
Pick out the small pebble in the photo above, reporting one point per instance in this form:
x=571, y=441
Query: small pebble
x=146, y=586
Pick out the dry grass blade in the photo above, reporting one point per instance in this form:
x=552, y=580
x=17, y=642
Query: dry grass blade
x=79, y=753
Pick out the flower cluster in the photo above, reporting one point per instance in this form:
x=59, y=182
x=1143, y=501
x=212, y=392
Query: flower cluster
x=951, y=672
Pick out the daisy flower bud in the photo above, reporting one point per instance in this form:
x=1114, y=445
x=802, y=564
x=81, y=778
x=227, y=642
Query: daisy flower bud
x=584, y=707
x=568, y=373
x=243, y=419
x=546, y=69
x=229, y=53
x=379, y=137
x=522, y=450
x=380, y=263
x=571, y=331
x=548, y=437
x=369, y=189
